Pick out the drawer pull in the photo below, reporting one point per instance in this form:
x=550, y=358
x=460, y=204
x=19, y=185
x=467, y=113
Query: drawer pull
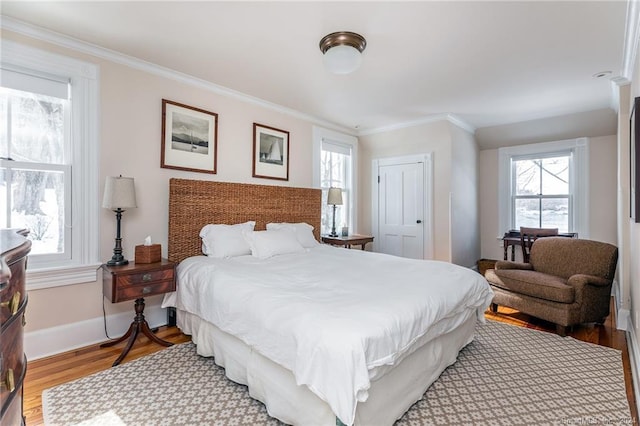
x=146, y=290
x=9, y=382
x=12, y=303
x=146, y=277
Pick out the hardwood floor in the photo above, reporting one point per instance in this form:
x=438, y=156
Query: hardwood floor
x=48, y=372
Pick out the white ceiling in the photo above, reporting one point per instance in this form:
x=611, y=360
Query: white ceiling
x=485, y=63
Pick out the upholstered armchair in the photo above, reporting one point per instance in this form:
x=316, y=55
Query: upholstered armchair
x=567, y=281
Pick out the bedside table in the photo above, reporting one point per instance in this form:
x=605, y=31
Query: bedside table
x=137, y=281
x=348, y=241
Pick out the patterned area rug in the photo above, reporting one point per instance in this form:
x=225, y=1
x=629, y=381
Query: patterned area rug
x=508, y=375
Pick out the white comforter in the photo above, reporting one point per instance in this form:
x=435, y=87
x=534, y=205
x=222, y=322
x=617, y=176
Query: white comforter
x=332, y=316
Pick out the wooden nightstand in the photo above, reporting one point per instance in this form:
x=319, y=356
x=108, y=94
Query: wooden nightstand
x=137, y=281
x=348, y=241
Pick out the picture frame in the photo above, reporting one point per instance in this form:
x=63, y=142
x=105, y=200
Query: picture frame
x=189, y=138
x=270, y=152
x=634, y=161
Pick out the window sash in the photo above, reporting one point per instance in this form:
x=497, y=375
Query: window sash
x=540, y=197
x=65, y=169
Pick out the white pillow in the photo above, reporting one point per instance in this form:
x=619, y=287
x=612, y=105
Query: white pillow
x=303, y=231
x=266, y=244
x=225, y=240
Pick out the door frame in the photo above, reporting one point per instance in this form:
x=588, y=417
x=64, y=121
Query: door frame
x=426, y=159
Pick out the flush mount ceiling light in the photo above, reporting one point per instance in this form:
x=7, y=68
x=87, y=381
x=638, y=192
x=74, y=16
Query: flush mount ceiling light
x=342, y=51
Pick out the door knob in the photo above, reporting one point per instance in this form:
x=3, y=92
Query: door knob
x=418, y=221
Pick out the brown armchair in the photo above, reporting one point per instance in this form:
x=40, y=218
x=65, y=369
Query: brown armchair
x=567, y=281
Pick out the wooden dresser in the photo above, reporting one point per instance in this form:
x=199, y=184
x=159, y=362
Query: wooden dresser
x=14, y=248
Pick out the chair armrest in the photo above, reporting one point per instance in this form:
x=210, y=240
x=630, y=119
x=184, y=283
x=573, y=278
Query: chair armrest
x=505, y=264
x=579, y=280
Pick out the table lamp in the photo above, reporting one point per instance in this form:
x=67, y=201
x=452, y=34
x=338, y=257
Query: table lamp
x=119, y=195
x=334, y=198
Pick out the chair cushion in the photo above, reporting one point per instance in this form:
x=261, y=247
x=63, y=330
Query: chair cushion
x=532, y=283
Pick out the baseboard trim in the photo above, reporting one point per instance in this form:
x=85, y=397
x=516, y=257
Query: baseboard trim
x=623, y=319
x=634, y=360
x=55, y=340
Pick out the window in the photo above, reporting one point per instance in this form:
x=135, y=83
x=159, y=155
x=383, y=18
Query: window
x=544, y=185
x=335, y=171
x=540, y=195
x=33, y=170
x=334, y=166
x=48, y=161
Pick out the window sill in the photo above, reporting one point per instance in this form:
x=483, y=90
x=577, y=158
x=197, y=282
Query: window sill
x=57, y=277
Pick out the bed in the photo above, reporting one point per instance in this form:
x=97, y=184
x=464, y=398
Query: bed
x=324, y=335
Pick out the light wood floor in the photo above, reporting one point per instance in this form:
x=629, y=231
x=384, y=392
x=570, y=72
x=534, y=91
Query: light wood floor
x=48, y=372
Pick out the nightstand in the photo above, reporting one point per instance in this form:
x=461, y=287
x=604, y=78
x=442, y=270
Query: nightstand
x=137, y=281
x=348, y=241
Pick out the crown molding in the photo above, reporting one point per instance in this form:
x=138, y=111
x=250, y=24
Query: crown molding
x=68, y=42
x=451, y=118
x=631, y=34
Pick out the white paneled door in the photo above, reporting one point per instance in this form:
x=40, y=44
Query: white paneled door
x=401, y=208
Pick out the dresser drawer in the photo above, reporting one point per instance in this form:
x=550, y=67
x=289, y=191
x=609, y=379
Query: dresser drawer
x=144, y=277
x=13, y=292
x=13, y=365
x=142, y=290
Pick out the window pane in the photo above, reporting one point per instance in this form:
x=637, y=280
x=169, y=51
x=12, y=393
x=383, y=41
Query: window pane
x=555, y=213
x=36, y=126
x=37, y=203
x=555, y=176
x=527, y=213
x=527, y=178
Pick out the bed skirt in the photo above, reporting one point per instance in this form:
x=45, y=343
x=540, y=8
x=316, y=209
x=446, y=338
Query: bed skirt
x=390, y=396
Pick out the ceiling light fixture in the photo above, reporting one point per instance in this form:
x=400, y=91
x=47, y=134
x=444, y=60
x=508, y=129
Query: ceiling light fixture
x=342, y=51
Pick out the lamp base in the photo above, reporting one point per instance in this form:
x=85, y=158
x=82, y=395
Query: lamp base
x=333, y=234
x=117, y=262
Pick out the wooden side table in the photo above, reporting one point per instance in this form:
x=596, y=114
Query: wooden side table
x=137, y=281
x=348, y=241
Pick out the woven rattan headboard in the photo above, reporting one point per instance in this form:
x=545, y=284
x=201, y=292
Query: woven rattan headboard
x=195, y=203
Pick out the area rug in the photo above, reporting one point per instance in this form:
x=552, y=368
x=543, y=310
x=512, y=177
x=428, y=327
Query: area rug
x=507, y=375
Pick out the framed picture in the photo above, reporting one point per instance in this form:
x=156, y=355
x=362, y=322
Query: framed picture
x=189, y=138
x=634, y=160
x=270, y=152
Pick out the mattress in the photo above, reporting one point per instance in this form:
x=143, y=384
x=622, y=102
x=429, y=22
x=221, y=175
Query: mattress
x=337, y=319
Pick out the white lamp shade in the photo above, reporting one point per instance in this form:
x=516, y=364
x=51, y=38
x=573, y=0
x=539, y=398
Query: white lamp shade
x=334, y=197
x=342, y=59
x=119, y=193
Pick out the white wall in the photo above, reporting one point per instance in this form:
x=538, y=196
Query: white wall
x=465, y=224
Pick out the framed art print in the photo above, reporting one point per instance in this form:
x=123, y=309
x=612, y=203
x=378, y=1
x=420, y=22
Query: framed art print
x=270, y=152
x=189, y=138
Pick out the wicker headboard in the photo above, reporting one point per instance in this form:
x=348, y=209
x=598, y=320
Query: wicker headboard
x=195, y=203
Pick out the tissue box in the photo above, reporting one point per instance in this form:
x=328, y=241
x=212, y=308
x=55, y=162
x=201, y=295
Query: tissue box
x=148, y=254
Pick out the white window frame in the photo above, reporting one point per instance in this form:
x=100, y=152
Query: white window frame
x=319, y=135
x=84, y=205
x=578, y=180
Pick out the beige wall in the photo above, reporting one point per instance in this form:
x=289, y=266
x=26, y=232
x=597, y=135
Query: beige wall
x=465, y=227
x=602, y=193
x=438, y=138
x=130, y=133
